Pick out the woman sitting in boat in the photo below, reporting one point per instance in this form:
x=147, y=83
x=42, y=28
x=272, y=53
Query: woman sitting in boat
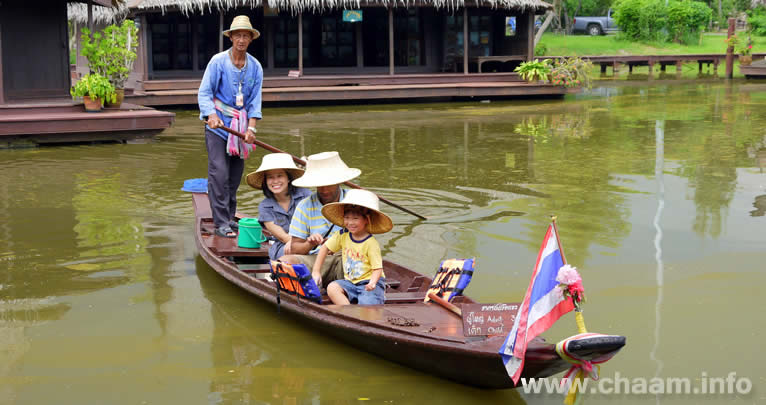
x=359, y=214
x=275, y=212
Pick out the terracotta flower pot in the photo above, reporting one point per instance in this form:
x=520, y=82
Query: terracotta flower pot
x=120, y=95
x=92, y=105
x=745, y=60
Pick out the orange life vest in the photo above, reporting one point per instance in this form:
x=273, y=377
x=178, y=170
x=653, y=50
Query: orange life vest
x=295, y=279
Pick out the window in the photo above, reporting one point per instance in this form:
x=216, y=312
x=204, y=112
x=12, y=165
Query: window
x=338, y=41
x=408, y=38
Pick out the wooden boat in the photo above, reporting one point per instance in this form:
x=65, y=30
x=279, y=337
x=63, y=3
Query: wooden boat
x=424, y=336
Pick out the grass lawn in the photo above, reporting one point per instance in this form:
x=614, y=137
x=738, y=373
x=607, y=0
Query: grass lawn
x=584, y=45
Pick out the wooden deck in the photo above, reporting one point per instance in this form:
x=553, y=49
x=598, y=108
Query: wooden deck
x=615, y=62
x=358, y=87
x=755, y=71
x=61, y=121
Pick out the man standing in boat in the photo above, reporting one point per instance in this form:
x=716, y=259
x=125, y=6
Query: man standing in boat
x=230, y=95
x=308, y=228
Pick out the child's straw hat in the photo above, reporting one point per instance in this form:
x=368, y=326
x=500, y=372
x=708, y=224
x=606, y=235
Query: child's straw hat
x=270, y=162
x=378, y=221
x=325, y=169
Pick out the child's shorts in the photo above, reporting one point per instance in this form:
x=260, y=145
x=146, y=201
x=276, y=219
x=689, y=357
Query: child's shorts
x=357, y=294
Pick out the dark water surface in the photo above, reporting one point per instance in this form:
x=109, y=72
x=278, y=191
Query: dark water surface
x=660, y=193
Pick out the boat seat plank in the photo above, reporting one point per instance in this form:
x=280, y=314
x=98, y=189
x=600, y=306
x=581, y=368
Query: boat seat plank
x=255, y=268
x=405, y=297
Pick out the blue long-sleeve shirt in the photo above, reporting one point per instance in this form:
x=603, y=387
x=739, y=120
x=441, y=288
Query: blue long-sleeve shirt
x=221, y=81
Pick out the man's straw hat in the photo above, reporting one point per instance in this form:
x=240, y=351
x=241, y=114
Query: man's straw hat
x=379, y=222
x=325, y=169
x=242, y=23
x=270, y=162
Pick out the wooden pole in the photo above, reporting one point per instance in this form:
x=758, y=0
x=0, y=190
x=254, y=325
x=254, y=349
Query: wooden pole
x=556, y=232
x=2, y=92
x=220, y=29
x=391, y=40
x=300, y=161
x=446, y=304
x=730, y=50
x=144, y=50
x=465, y=40
x=90, y=16
x=300, y=43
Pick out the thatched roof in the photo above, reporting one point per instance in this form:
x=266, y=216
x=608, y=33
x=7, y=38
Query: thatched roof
x=78, y=12
x=195, y=6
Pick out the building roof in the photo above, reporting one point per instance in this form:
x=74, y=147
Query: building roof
x=78, y=12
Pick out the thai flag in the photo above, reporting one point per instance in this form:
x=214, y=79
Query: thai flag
x=543, y=305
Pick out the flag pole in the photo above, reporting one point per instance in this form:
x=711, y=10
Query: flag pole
x=579, y=320
x=558, y=240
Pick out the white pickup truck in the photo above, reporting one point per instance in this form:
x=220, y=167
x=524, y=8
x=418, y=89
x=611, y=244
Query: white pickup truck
x=595, y=25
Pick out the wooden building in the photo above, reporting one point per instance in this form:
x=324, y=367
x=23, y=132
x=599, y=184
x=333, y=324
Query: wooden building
x=335, y=43
x=35, y=104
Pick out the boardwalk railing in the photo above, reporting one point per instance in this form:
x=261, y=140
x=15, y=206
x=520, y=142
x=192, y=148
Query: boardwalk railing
x=663, y=60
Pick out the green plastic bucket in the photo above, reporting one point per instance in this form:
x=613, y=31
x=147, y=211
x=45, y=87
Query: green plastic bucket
x=250, y=233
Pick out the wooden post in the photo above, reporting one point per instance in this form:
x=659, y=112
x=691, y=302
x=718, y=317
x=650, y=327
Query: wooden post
x=220, y=29
x=2, y=92
x=90, y=16
x=144, y=50
x=391, y=40
x=530, y=35
x=269, y=43
x=300, y=43
x=465, y=39
x=359, y=45
x=730, y=50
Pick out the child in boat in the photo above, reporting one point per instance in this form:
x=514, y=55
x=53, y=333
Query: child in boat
x=364, y=282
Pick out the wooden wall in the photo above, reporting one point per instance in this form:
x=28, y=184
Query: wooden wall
x=35, y=49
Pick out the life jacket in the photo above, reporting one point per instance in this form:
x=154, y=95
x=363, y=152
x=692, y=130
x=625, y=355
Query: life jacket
x=451, y=279
x=295, y=279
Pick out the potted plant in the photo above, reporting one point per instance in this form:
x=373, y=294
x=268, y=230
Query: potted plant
x=535, y=70
x=111, y=53
x=742, y=47
x=94, y=90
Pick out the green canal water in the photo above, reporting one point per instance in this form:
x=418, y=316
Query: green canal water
x=660, y=193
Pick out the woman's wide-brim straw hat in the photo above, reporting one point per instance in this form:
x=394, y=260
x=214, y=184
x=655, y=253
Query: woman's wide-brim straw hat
x=273, y=161
x=242, y=23
x=379, y=222
x=325, y=169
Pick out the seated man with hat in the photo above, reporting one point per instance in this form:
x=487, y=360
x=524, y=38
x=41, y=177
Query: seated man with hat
x=308, y=228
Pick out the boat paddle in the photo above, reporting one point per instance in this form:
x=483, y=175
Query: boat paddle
x=300, y=161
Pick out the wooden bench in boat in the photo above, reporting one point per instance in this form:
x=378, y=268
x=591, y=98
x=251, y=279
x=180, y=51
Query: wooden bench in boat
x=405, y=297
x=227, y=247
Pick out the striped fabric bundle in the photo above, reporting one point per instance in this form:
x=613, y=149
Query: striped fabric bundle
x=235, y=146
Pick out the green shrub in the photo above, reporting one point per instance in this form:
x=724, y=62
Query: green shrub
x=541, y=49
x=111, y=53
x=686, y=19
x=757, y=20
x=650, y=20
x=641, y=20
